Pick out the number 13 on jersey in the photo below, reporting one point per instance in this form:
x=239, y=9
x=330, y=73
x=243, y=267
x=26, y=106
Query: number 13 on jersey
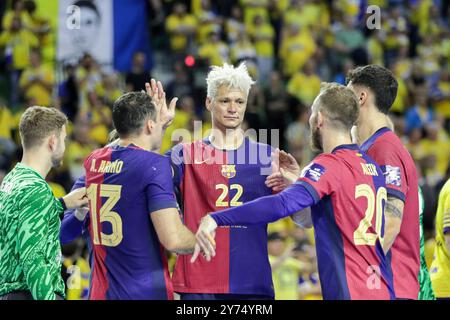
x=112, y=192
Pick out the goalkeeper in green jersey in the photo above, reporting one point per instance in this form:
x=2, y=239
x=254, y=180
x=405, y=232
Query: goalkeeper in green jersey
x=426, y=289
x=30, y=253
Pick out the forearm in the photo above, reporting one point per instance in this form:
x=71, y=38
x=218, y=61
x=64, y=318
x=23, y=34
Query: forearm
x=38, y=278
x=71, y=227
x=393, y=222
x=184, y=243
x=266, y=209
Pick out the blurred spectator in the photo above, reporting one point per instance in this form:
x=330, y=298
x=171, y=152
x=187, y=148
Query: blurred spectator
x=348, y=40
x=99, y=117
x=276, y=103
x=297, y=137
x=263, y=35
x=181, y=27
x=297, y=47
x=255, y=107
x=138, y=76
x=343, y=71
x=285, y=269
x=421, y=113
x=305, y=85
x=109, y=89
x=234, y=25
x=88, y=75
x=17, y=43
x=37, y=80
x=440, y=93
x=438, y=148
x=181, y=85
x=76, y=270
x=68, y=93
x=7, y=145
x=17, y=9
x=243, y=50
x=208, y=20
x=79, y=147
x=214, y=51
x=253, y=8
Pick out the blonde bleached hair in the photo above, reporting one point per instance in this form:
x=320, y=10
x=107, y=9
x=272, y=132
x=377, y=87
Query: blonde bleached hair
x=230, y=76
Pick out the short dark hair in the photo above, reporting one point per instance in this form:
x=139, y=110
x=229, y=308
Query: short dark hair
x=38, y=123
x=339, y=104
x=130, y=112
x=378, y=79
x=88, y=4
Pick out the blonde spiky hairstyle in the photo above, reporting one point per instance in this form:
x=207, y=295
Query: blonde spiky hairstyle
x=230, y=76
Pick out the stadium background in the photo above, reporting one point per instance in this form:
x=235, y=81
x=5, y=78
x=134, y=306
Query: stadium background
x=290, y=47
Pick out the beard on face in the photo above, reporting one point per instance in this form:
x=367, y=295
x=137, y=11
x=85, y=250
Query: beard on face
x=57, y=161
x=57, y=157
x=315, y=139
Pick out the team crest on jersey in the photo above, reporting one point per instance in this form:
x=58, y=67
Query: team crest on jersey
x=392, y=175
x=229, y=170
x=313, y=172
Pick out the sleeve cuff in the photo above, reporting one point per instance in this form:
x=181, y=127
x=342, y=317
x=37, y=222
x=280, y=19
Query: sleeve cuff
x=63, y=204
x=312, y=191
x=396, y=194
x=216, y=219
x=162, y=204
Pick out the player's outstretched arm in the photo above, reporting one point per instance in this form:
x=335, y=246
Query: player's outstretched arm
x=260, y=211
x=172, y=234
x=393, y=215
x=72, y=223
x=303, y=218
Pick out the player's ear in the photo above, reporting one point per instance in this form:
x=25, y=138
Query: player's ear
x=320, y=119
x=363, y=95
x=208, y=103
x=150, y=126
x=52, y=142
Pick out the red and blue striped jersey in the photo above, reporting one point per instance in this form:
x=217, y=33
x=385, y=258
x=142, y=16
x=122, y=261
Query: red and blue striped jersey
x=210, y=179
x=401, y=182
x=348, y=218
x=128, y=260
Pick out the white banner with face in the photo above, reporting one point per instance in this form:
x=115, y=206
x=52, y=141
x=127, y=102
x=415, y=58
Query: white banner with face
x=85, y=26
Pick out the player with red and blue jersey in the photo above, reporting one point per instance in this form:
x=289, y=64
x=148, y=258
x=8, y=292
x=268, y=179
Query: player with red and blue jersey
x=132, y=212
x=346, y=191
x=224, y=170
x=376, y=89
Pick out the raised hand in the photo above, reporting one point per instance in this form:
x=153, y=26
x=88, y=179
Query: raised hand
x=285, y=171
x=76, y=199
x=205, y=239
x=156, y=91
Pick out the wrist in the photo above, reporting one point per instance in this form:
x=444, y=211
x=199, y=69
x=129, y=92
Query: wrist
x=63, y=203
x=212, y=220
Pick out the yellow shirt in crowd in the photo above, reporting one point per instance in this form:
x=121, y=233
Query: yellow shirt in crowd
x=304, y=87
x=35, y=89
x=178, y=41
x=20, y=44
x=440, y=267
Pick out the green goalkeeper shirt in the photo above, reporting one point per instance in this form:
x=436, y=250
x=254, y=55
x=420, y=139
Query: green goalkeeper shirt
x=30, y=251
